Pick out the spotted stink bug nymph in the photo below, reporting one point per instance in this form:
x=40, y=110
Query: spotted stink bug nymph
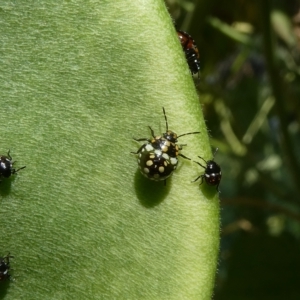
x=158, y=156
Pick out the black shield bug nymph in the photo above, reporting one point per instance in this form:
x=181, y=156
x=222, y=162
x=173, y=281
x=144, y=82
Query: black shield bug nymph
x=212, y=173
x=191, y=51
x=157, y=158
x=6, y=166
x=4, y=267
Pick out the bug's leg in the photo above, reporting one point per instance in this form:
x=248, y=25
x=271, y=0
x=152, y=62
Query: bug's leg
x=140, y=149
x=198, y=78
x=141, y=139
x=165, y=182
x=184, y=156
x=181, y=145
x=8, y=154
x=201, y=176
x=152, y=131
x=7, y=257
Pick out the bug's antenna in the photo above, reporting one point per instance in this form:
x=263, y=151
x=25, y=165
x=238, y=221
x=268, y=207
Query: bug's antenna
x=195, y=132
x=166, y=119
x=203, y=160
x=215, y=153
x=199, y=164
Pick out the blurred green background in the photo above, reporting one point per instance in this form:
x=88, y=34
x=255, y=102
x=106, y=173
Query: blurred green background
x=250, y=94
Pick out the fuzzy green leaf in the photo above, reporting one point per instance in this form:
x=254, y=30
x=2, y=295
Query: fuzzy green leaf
x=79, y=79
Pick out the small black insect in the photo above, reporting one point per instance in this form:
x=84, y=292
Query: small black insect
x=4, y=267
x=212, y=174
x=6, y=166
x=158, y=157
x=191, y=51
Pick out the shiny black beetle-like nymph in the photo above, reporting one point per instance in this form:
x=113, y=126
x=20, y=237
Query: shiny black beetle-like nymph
x=157, y=158
x=6, y=166
x=4, y=267
x=212, y=173
x=191, y=51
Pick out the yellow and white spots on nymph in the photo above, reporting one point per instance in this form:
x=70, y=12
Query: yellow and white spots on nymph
x=149, y=163
x=165, y=146
x=161, y=169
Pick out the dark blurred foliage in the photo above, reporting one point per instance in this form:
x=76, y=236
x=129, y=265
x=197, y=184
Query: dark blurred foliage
x=250, y=94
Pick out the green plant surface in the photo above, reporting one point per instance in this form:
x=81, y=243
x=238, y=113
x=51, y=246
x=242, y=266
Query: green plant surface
x=79, y=79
